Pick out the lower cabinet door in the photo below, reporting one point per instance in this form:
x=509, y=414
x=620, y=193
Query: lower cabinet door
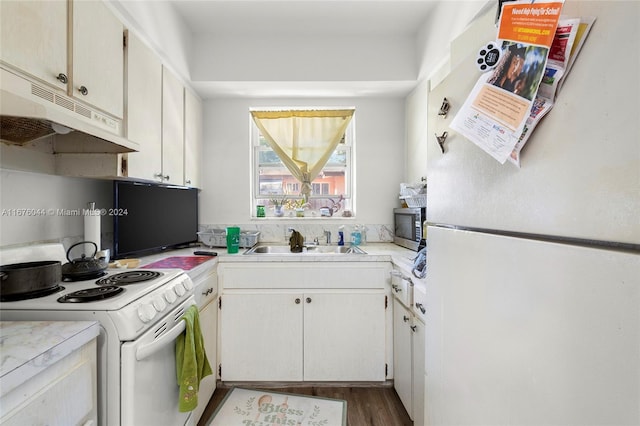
x=402, y=355
x=261, y=336
x=344, y=336
x=418, y=330
x=208, y=326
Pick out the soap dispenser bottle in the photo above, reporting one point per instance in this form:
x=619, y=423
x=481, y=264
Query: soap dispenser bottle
x=341, y=236
x=356, y=236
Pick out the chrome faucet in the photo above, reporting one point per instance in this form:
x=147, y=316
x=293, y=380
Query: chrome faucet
x=327, y=234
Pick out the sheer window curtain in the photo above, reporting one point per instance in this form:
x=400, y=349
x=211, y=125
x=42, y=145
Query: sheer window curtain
x=303, y=139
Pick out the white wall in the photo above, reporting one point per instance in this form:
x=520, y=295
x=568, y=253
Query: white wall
x=225, y=197
x=46, y=195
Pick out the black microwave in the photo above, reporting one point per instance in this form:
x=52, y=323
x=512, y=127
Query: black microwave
x=408, y=223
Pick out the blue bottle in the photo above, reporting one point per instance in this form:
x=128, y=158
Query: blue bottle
x=340, y=238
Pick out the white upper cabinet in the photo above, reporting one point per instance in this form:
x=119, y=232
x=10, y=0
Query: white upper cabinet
x=98, y=70
x=144, y=109
x=192, y=140
x=35, y=42
x=172, y=129
x=33, y=39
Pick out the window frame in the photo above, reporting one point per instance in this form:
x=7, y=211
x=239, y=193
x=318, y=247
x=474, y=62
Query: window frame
x=349, y=196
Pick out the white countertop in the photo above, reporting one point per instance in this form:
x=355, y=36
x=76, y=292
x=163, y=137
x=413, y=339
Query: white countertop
x=29, y=347
x=376, y=252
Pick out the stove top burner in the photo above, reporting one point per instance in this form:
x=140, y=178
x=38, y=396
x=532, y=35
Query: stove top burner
x=31, y=294
x=129, y=277
x=91, y=294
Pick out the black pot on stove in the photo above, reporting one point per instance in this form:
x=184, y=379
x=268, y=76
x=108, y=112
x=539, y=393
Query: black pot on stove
x=84, y=267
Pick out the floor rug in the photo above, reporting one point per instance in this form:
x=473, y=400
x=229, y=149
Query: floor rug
x=248, y=407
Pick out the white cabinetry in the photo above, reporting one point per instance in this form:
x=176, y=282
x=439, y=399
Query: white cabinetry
x=301, y=322
x=206, y=295
x=172, y=129
x=98, y=57
x=35, y=42
x=49, y=373
x=144, y=109
x=192, y=140
x=409, y=343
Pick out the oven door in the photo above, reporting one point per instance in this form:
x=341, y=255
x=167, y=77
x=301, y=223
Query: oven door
x=149, y=394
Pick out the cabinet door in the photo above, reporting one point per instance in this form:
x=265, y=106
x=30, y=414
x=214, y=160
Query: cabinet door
x=418, y=371
x=33, y=38
x=208, y=326
x=98, y=57
x=402, y=354
x=192, y=139
x=144, y=109
x=172, y=129
x=344, y=336
x=261, y=337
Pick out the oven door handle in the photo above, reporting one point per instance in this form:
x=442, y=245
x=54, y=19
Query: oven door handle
x=169, y=337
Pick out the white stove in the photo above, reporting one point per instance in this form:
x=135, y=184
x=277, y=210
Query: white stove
x=139, y=324
x=132, y=308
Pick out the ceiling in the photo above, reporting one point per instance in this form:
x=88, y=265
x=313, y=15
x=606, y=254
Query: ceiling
x=349, y=17
x=412, y=26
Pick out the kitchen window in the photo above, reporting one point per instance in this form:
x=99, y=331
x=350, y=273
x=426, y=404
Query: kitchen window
x=328, y=194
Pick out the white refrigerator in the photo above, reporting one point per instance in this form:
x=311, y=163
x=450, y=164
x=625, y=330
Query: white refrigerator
x=533, y=274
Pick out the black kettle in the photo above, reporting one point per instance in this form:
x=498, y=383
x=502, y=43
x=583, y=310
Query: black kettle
x=84, y=267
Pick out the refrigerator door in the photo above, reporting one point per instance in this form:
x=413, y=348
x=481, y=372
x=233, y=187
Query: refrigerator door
x=527, y=332
x=580, y=173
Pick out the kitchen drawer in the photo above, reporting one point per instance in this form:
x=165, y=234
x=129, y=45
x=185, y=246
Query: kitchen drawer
x=402, y=287
x=419, y=305
x=205, y=288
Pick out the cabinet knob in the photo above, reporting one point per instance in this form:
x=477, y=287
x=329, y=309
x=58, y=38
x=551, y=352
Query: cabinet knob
x=297, y=300
x=397, y=289
x=405, y=318
x=84, y=90
x=188, y=182
x=413, y=328
x=421, y=307
x=62, y=78
x=308, y=300
x=166, y=177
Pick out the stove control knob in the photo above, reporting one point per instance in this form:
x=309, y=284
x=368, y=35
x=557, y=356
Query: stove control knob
x=170, y=296
x=179, y=289
x=187, y=284
x=146, y=312
x=159, y=303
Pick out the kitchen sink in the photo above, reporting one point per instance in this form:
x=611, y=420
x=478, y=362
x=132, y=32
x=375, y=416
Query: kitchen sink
x=312, y=250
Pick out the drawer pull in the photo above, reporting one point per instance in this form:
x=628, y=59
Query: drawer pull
x=308, y=300
x=297, y=300
x=405, y=318
x=421, y=307
x=413, y=328
x=62, y=78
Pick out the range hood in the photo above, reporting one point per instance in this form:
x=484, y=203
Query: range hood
x=30, y=111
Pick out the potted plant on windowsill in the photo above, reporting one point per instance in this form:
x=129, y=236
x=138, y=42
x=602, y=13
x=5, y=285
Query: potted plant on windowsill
x=278, y=205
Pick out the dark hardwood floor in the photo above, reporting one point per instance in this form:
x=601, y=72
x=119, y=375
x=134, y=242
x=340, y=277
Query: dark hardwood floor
x=366, y=405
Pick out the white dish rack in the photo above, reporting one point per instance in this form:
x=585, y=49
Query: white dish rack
x=414, y=195
x=218, y=238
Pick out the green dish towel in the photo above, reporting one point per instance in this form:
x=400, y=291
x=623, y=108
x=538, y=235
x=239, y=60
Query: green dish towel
x=296, y=242
x=191, y=360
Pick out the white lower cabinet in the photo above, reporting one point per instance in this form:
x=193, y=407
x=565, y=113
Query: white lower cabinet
x=206, y=295
x=324, y=331
x=409, y=348
x=303, y=336
x=402, y=355
x=63, y=394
